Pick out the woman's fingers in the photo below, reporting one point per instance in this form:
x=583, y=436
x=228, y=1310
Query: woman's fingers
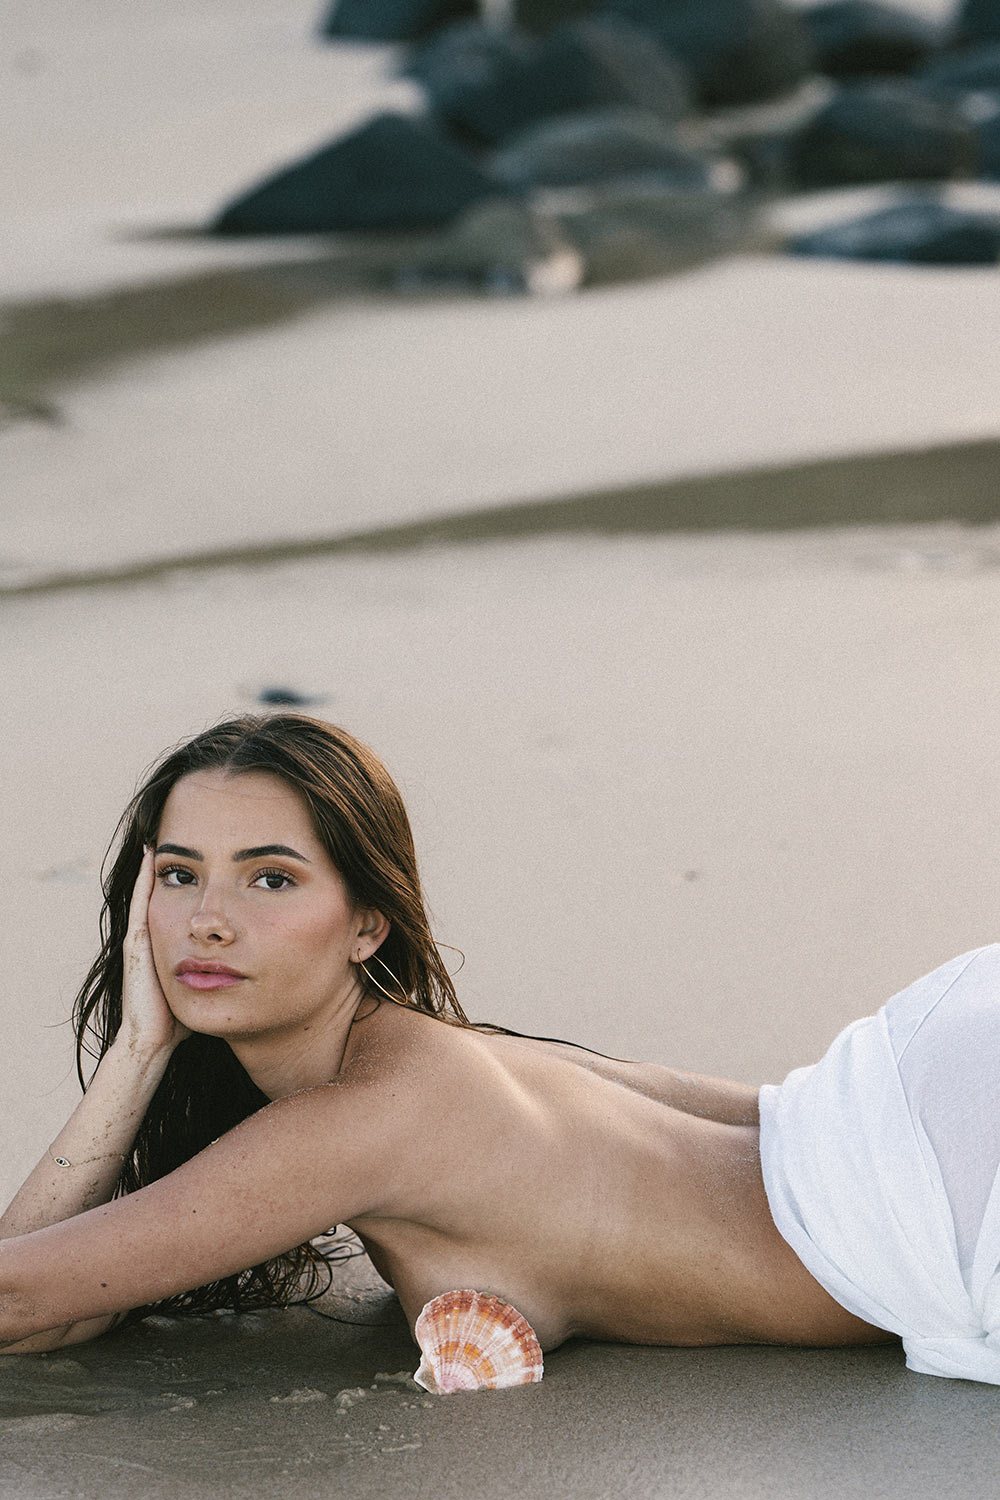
x=142, y=890
x=145, y=1009
x=140, y=974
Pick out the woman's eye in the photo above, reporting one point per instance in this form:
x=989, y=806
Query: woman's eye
x=273, y=880
x=176, y=875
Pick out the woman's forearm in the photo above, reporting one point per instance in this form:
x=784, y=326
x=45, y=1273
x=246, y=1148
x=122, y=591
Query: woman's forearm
x=718, y=1099
x=83, y=1164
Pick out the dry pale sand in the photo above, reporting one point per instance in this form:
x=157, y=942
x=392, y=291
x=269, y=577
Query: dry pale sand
x=695, y=797
x=372, y=413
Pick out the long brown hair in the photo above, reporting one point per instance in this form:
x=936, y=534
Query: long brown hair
x=360, y=819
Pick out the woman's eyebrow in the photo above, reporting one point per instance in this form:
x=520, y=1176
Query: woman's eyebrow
x=178, y=849
x=258, y=852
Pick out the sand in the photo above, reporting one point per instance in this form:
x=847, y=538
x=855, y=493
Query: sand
x=682, y=789
x=291, y=1407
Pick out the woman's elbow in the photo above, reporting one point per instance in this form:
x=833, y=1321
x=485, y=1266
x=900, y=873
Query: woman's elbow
x=16, y=1327
x=22, y=1324
x=30, y=1321
x=47, y=1339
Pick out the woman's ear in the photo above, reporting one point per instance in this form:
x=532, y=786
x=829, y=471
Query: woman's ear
x=373, y=929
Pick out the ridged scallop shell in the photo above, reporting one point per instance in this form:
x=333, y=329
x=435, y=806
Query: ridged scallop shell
x=470, y=1342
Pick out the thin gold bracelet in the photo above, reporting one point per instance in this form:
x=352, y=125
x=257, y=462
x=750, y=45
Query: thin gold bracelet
x=64, y=1161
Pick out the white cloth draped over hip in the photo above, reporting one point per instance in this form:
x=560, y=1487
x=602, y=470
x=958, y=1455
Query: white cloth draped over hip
x=882, y=1167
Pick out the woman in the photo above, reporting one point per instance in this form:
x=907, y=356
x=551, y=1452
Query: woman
x=281, y=1050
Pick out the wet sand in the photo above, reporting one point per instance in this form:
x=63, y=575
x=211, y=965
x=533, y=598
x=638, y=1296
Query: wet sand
x=289, y=1406
x=687, y=784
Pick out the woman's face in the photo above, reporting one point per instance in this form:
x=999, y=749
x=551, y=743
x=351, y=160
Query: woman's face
x=244, y=885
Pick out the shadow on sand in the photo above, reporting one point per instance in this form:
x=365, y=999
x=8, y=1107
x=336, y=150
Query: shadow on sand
x=52, y=343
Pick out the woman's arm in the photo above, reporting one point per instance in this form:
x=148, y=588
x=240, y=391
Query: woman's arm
x=104, y=1122
x=82, y=1166
x=719, y=1099
x=283, y=1176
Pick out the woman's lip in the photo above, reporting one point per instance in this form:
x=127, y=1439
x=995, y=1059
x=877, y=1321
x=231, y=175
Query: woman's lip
x=200, y=979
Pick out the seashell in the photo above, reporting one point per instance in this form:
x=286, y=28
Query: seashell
x=471, y=1342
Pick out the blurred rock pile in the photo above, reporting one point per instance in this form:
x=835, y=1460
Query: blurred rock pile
x=566, y=141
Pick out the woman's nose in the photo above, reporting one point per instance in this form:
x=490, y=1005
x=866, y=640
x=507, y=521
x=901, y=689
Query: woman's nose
x=209, y=924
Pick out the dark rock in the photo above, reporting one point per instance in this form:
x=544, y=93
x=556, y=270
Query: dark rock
x=391, y=20
x=877, y=132
x=542, y=15
x=765, y=161
x=970, y=82
x=636, y=227
x=974, y=71
x=501, y=247
x=575, y=149
x=464, y=59
x=988, y=137
x=853, y=37
x=276, y=697
x=489, y=83
x=392, y=173
x=913, y=233
x=757, y=136
x=977, y=21
x=606, y=61
x=736, y=51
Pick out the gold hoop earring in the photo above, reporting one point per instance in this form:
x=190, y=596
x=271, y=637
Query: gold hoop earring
x=372, y=980
x=452, y=949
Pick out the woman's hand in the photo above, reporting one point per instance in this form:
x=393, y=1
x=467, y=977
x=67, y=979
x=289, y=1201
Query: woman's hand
x=148, y=1023
x=82, y=1167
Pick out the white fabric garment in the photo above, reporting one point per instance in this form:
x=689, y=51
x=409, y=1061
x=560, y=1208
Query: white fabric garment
x=882, y=1167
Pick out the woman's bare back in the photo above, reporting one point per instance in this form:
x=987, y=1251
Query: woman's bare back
x=569, y=1185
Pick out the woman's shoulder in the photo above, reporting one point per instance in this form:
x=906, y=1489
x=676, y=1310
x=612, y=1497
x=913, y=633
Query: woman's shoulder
x=398, y=1047
x=421, y=1064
